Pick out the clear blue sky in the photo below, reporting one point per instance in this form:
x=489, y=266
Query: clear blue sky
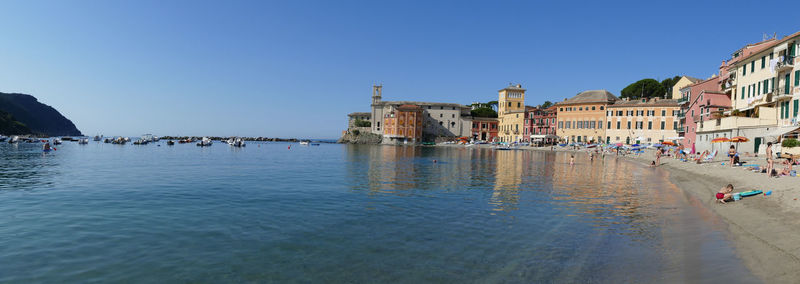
x=296, y=68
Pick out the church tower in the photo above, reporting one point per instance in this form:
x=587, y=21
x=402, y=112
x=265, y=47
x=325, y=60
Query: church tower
x=376, y=94
x=377, y=109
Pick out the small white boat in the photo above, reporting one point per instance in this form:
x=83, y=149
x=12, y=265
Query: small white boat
x=205, y=142
x=141, y=142
x=83, y=141
x=56, y=141
x=236, y=142
x=3, y=138
x=304, y=143
x=14, y=139
x=98, y=137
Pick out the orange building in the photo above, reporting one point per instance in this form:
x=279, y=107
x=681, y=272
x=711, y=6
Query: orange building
x=484, y=128
x=403, y=124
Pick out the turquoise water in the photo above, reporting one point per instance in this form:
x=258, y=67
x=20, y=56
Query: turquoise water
x=347, y=213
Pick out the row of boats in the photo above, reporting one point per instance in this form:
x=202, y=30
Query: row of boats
x=144, y=140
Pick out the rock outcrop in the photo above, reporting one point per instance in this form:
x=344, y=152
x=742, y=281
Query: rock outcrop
x=40, y=118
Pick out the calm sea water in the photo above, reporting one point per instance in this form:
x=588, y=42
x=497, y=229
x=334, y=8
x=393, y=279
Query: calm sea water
x=347, y=213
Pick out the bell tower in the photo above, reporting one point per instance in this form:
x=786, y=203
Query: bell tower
x=376, y=94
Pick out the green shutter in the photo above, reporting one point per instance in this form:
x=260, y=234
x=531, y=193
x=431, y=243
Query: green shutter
x=763, y=60
x=796, y=78
x=742, y=93
x=794, y=114
x=744, y=70
x=752, y=66
x=791, y=49
x=786, y=85
x=758, y=89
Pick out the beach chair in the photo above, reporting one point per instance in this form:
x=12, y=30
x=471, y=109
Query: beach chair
x=710, y=157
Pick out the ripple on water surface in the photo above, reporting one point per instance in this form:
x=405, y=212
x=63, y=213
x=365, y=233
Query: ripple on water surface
x=347, y=213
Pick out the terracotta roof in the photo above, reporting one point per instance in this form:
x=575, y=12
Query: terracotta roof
x=647, y=103
x=693, y=79
x=591, y=96
x=409, y=108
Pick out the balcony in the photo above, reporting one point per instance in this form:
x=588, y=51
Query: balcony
x=681, y=114
x=681, y=129
x=787, y=63
x=683, y=100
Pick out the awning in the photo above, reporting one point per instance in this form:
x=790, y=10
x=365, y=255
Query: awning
x=780, y=131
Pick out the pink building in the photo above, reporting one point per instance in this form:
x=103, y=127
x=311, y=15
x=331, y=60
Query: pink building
x=701, y=101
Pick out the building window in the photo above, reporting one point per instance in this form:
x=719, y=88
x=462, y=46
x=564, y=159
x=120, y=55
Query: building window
x=629, y=125
x=763, y=61
x=649, y=125
x=454, y=115
x=662, y=125
x=592, y=108
x=663, y=112
x=441, y=115
x=618, y=124
x=674, y=125
x=609, y=125
x=601, y=107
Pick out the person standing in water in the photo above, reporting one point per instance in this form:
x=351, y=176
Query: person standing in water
x=46, y=146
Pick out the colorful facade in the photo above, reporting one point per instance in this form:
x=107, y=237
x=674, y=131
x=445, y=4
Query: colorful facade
x=582, y=118
x=540, y=125
x=696, y=105
x=511, y=113
x=403, y=124
x=642, y=121
x=485, y=128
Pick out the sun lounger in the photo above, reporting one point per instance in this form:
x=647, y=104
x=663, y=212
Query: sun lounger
x=710, y=157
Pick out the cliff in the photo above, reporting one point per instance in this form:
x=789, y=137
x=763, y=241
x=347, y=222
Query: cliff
x=38, y=117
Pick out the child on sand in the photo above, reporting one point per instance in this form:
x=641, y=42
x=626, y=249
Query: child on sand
x=571, y=160
x=725, y=194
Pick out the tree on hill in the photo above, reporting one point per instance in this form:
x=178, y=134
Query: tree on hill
x=547, y=104
x=669, y=83
x=645, y=88
x=483, y=112
x=10, y=126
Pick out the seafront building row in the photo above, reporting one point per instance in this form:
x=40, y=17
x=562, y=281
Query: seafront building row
x=755, y=93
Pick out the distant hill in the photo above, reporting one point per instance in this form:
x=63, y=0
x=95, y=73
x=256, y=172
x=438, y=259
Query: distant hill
x=38, y=117
x=9, y=126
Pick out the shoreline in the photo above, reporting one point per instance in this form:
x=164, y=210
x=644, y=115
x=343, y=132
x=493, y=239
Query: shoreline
x=763, y=229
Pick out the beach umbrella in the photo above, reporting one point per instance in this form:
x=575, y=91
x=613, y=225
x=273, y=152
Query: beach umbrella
x=738, y=139
x=668, y=143
x=720, y=140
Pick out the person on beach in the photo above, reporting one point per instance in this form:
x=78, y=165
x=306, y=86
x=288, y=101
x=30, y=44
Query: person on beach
x=571, y=160
x=591, y=156
x=658, y=156
x=725, y=194
x=731, y=154
x=770, y=162
x=787, y=167
x=653, y=163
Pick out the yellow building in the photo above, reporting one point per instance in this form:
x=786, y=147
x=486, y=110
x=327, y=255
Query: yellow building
x=582, y=117
x=511, y=113
x=682, y=82
x=642, y=121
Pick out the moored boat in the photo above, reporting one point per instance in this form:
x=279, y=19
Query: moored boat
x=170, y=143
x=204, y=142
x=83, y=141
